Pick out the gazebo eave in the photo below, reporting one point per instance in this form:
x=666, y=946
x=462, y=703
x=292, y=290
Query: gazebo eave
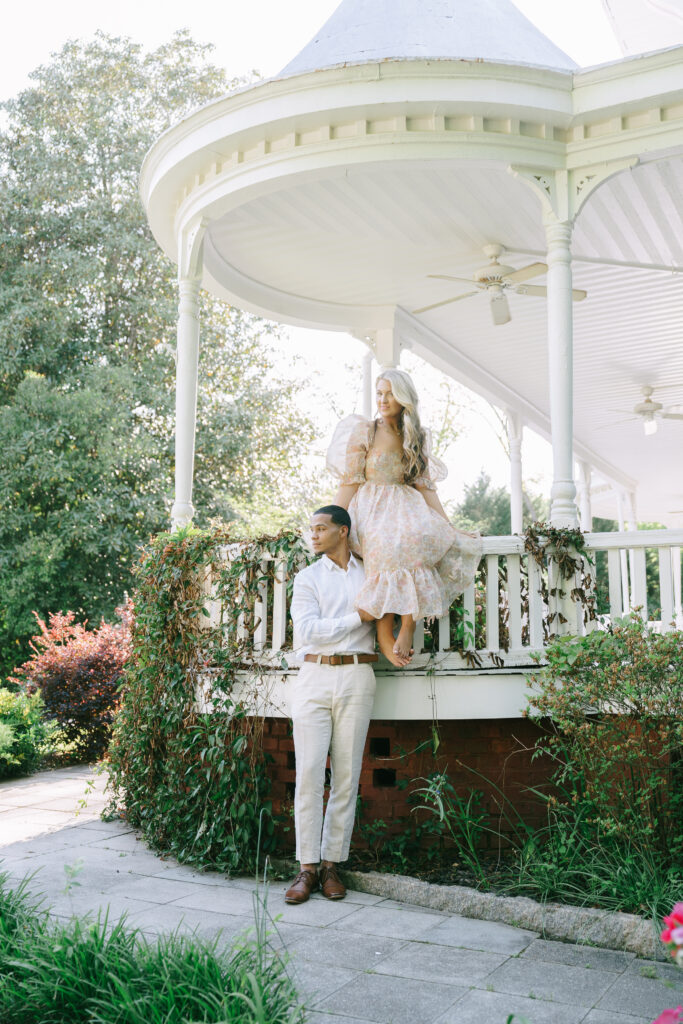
x=561, y=134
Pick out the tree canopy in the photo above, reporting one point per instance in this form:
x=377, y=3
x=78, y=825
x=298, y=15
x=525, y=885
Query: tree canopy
x=487, y=508
x=87, y=327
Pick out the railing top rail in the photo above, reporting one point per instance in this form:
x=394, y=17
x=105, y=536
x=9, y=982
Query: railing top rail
x=514, y=545
x=635, y=539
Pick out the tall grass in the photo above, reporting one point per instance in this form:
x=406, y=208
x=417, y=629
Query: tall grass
x=94, y=972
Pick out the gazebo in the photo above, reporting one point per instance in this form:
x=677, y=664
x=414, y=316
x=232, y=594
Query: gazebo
x=437, y=175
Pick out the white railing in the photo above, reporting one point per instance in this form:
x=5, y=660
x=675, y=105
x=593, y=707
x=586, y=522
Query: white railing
x=503, y=619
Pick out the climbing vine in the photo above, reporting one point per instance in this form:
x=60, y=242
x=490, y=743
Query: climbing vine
x=196, y=783
x=574, y=576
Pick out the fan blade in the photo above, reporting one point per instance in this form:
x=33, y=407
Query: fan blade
x=531, y=289
x=446, y=277
x=671, y=415
x=618, y=423
x=539, y=289
x=500, y=310
x=533, y=270
x=445, y=302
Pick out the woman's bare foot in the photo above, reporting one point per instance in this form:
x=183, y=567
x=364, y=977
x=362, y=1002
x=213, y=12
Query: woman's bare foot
x=404, y=641
x=387, y=643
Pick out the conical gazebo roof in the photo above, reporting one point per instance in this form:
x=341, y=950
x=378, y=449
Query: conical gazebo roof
x=372, y=30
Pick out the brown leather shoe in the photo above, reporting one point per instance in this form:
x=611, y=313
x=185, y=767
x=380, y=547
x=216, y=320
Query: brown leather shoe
x=332, y=885
x=303, y=885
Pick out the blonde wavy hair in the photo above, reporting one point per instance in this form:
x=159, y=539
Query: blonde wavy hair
x=403, y=390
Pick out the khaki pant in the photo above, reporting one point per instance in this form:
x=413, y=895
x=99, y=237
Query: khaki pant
x=330, y=707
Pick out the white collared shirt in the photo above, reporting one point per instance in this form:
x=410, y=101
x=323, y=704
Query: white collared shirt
x=325, y=621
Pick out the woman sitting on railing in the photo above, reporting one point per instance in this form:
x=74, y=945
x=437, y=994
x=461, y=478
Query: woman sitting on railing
x=416, y=562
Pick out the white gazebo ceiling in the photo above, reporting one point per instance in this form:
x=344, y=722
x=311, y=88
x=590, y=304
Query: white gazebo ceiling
x=326, y=199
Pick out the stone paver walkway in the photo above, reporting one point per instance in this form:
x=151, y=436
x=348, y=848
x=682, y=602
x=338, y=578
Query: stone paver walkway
x=366, y=960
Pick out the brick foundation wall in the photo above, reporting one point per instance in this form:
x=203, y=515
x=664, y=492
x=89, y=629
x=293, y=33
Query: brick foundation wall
x=395, y=754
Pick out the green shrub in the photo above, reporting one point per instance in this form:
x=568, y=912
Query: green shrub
x=614, y=699
x=24, y=735
x=612, y=702
x=89, y=970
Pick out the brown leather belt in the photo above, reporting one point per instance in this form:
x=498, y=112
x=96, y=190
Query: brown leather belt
x=341, y=659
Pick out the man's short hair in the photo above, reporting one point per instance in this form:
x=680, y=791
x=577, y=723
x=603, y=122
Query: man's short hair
x=337, y=514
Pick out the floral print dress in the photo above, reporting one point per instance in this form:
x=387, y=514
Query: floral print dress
x=416, y=563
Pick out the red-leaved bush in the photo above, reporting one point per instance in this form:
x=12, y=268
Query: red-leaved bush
x=78, y=672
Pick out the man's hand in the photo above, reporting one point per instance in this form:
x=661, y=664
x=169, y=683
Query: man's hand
x=365, y=616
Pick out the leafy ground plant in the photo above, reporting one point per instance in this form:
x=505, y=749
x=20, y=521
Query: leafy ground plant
x=103, y=973
x=24, y=735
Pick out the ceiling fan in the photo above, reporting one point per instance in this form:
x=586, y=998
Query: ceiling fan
x=650, y=411
x=495, y=279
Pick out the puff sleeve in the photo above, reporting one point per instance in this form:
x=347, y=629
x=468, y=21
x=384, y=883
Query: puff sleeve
x=348, y=449
x=435, y=470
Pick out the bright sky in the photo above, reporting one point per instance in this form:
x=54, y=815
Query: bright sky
x=264, y=35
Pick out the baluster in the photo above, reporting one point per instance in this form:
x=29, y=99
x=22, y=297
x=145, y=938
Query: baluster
x=666, y=595
x=639, y=581
x=616, y=590
x=576, y=603
x=419, y=636
x=242, y=631
x=279, y=606
x=469, y=619
x=261, y=611
x=554, y=624
x=492, y=601
x=514, y=602
x=625, y=590
x=535, y=605
x=444, y=632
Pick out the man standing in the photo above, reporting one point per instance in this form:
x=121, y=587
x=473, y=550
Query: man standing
x=331, y=702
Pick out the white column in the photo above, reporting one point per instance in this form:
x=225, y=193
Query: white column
x=563, y=511
x=186, y=399
x=631, y=524
x=623, y=557
x=368, y=403
x=514, y=431
x=678, y=605
x=586, y=509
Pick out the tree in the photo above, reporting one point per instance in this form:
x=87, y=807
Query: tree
x=487, y=508
x=87, y=320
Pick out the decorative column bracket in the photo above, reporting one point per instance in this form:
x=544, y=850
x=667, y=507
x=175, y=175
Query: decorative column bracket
x=190, y=246
x=385, y=344
x=563, y=192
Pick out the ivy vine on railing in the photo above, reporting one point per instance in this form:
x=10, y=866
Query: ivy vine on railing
x=566, y=547
x=195, y=784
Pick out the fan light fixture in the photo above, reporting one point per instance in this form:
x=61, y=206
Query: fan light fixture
x=650, y=426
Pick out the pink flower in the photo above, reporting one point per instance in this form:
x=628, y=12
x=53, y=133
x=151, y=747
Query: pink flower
x=677, y=935
x=670, y=1016
x=675, y=918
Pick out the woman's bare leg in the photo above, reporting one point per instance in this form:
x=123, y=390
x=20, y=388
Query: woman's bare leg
x=403, y=646
x=387, y=642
